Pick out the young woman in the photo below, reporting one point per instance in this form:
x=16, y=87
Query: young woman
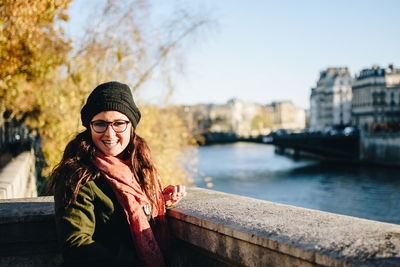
x=109, y=201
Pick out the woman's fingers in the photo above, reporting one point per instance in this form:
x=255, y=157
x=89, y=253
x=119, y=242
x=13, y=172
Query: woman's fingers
x=179, y=192
x=173, y=194
x=169, y=189
x=180, y=189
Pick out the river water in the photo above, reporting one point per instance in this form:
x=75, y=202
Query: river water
x=254, y=170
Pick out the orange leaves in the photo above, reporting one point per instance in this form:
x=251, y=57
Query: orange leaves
x=170, y=141
x=46, y=80
x=29, y=50
x=27, y=34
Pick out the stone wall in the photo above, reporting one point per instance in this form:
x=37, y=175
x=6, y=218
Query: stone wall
x=218, y=229
x=17, y=178
x=27, y=233
x=383, y=149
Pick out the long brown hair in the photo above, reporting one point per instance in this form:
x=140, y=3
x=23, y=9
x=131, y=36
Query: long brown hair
x=76, y=167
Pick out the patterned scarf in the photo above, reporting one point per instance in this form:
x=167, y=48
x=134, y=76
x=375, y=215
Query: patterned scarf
x=149, y=242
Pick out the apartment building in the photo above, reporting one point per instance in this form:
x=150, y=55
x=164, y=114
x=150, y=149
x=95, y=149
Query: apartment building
x=376, y=97
x=288, y=116
x=238, y=117
x=330, y=100
x=243, y=118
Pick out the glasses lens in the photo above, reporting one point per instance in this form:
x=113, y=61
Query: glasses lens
x=119, y=126
x=99, y=126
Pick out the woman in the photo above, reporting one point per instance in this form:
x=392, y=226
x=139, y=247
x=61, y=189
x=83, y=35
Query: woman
x=109, y=202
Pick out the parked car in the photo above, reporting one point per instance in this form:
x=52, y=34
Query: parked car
x=350, y=130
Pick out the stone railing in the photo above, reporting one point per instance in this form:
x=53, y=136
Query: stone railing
x=218, y=229
x=28, y=233
x=17, y=178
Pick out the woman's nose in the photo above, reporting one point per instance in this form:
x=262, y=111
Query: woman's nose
x=109, y=131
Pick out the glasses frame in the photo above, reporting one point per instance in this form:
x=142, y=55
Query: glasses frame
x=108, y=124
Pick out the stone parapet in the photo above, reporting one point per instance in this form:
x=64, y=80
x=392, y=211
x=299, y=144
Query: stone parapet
x=218, y=229
x=249, y=232
x=17, y=178
x=28, y=233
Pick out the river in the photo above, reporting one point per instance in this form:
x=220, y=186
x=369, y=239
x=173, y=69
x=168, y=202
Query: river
x=254, y=170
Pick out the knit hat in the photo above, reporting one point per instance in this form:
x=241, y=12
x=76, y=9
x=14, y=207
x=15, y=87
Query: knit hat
x=110, y=96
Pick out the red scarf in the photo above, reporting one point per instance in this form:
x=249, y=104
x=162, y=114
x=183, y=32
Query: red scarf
x=149, y=244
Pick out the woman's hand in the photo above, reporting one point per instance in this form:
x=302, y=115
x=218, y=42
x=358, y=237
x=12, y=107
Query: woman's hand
x=173, y=194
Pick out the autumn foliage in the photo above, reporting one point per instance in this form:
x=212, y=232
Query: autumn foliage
x=45, y=78
x=30, y=49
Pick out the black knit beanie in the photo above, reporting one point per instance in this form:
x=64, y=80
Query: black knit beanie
x=110, y=96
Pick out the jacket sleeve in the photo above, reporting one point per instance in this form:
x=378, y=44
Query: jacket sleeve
x=75, y=228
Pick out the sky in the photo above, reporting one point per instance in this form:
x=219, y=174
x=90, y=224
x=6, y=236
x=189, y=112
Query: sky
x=264, y=51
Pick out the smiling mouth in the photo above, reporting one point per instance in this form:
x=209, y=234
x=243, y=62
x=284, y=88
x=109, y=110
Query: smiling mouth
x=109, y=143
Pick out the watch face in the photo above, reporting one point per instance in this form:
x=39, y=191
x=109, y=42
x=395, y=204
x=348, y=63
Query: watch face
x=147, y=209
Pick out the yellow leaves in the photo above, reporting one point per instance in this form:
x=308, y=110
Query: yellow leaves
x=170, y=142
x=122, y=46
x=29, y=47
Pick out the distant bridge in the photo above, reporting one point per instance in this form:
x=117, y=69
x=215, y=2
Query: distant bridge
x=337, y=146
x=327, y=146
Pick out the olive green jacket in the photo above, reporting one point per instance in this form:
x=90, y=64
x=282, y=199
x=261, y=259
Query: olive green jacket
x=93, y=230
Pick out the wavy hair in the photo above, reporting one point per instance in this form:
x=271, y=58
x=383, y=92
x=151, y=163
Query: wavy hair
x=76, y=167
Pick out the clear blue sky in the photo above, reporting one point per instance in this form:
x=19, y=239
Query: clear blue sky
x=264, y=51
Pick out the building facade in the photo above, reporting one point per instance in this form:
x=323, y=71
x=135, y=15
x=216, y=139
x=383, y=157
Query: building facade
x=376, y=97
x=242, y=118
x=288, y=116
x=239, y=117
x=330, y=100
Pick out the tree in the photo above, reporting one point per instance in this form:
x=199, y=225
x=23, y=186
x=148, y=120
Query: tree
x=30, y=50
x=49, y=77
x=121, y=44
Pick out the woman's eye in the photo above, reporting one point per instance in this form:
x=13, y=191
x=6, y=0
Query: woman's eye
x=119, y=123
x=99, y=124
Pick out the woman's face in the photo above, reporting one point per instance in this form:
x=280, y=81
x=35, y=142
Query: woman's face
x=110, y=142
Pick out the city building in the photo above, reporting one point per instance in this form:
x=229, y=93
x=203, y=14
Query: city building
x=287, y=116
x=243, y=119
x=330, y=100
x=239, y=117
x=376, y=97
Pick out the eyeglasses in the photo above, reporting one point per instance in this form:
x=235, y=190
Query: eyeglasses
x=101, y=126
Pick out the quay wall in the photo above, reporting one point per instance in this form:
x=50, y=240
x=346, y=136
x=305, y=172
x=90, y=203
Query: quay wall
x=383, y=149
x=218, y=229
x=17, y=178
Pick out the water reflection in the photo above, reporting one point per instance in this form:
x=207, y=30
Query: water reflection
x=255, y=170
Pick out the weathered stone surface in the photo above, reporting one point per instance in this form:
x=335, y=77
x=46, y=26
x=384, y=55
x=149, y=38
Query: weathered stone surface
x=26, y=209
x=383, y=148
x=313, y=236
x=27, y=232
x=17, y=178
x=218, y=229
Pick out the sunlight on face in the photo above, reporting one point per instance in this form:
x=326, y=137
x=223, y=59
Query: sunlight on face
x=110, y=142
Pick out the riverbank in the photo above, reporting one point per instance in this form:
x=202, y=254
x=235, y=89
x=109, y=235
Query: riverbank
x=381, y=149
x=215, y=138
x=378, y=149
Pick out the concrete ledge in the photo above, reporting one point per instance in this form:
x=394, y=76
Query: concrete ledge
x=250, y=232
x=17, y=179
x=218, y=229
x=27, y=233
